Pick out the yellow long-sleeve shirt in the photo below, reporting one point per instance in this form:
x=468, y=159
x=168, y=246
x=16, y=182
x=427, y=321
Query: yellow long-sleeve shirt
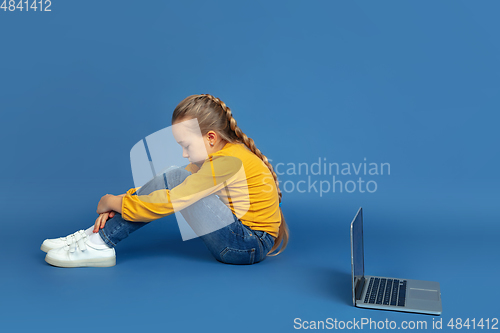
x=240, y=179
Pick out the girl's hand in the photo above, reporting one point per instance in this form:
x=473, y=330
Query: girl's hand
x=103, y=205
x=110, y=202
x=101, y=220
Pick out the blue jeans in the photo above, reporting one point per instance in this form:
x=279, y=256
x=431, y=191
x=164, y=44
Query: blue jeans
x=233, y=244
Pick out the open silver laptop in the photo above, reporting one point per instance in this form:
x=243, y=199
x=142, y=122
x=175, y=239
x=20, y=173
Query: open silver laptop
x=386, y=293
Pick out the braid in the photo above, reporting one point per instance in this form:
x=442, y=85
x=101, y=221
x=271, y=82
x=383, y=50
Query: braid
x=246, y=140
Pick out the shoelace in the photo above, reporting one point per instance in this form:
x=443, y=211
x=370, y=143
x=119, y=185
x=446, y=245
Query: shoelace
x=75, y=240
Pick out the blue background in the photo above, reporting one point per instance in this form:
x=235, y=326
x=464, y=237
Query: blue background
x=413, y=84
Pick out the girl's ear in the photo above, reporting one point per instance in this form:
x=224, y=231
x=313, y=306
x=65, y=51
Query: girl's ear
x=211, y=135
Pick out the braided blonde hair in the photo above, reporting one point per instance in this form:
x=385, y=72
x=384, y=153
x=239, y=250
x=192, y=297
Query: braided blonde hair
x=214, y=115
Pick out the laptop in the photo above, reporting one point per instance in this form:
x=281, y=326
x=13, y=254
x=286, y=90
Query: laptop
x=386, y=293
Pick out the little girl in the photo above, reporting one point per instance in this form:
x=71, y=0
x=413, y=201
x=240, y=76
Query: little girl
x=249, y=239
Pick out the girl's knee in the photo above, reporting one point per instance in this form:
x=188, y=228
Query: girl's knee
x=176, y=176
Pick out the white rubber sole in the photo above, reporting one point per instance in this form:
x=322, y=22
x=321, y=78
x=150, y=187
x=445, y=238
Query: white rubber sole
x=95, y=262
x=45, y=248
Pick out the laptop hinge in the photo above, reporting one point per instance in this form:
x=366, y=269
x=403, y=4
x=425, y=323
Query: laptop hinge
x=359, y=287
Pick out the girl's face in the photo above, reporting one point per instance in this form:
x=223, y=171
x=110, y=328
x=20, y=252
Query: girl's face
x=191, y=141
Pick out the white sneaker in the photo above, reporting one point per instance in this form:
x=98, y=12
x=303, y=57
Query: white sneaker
x=54, y=243
x=80, y=252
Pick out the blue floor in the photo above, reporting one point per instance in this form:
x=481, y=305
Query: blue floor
x=161, y=281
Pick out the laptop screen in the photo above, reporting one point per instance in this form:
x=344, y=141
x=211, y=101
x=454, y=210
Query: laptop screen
x=357, y=254
x=357, y=245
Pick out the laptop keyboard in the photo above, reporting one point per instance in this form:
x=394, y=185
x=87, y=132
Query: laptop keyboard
x=386, y=291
